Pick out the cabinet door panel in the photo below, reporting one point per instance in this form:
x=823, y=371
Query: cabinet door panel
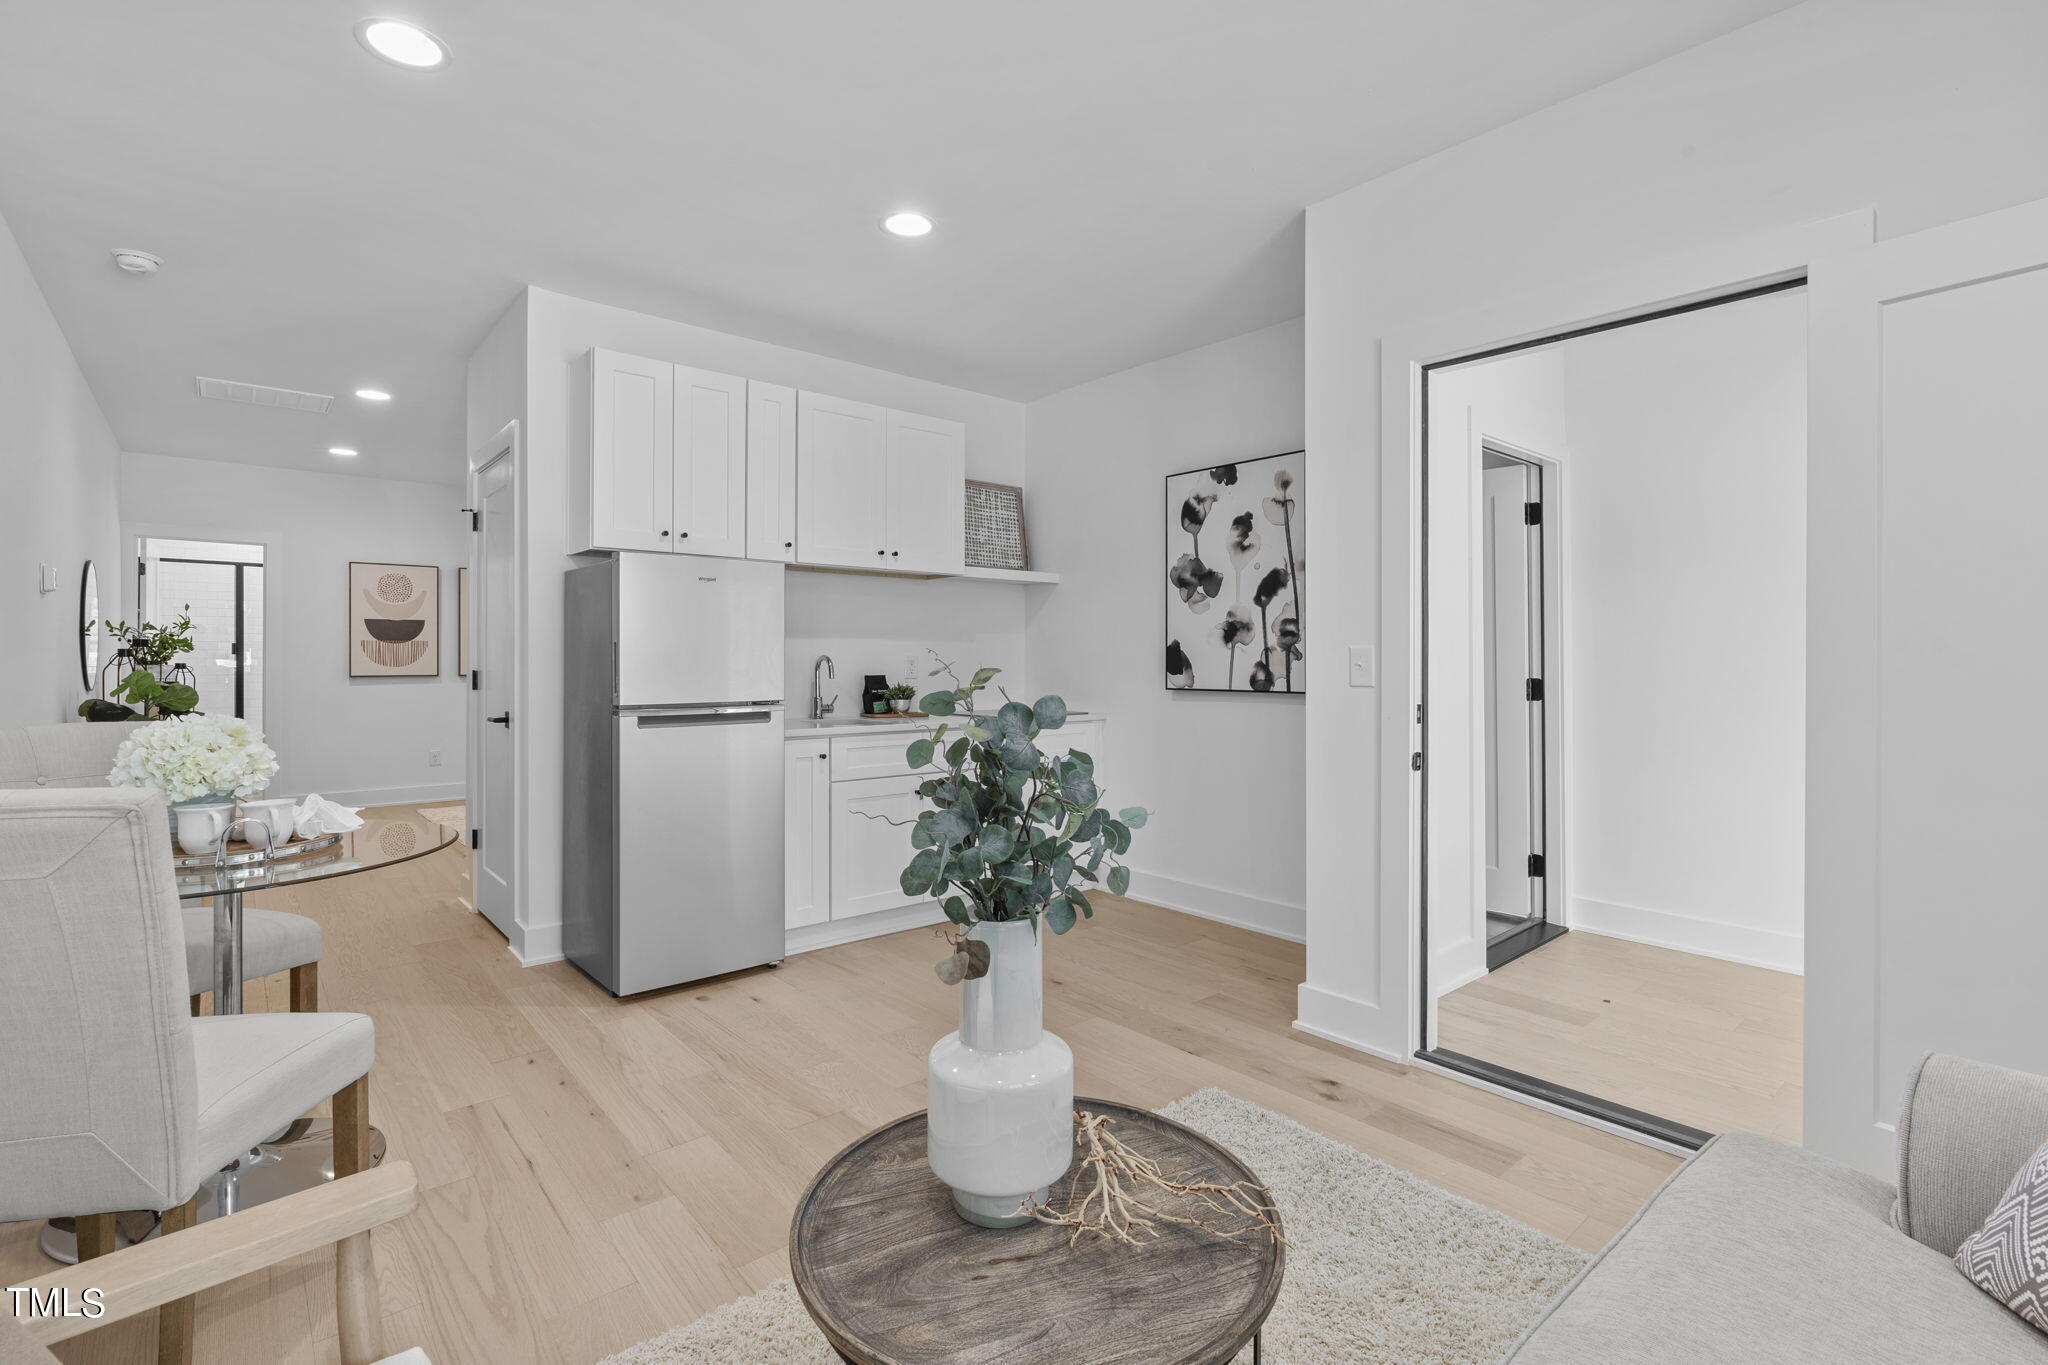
x=866, y=756
x=807, y=834
x=868, y=852
x=771, y=471
x=927, y=497
x=710, y=463
x=842, y=507
x=632, y=444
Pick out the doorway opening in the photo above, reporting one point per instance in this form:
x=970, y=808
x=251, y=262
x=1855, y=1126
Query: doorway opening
x=1515, y=615
x=220, y=584
x=1612, y=810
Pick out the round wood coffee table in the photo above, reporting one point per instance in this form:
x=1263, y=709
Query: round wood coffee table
x=893, y=1276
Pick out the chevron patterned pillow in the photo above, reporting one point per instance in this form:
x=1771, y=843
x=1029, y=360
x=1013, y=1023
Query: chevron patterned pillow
x=2007, y=1258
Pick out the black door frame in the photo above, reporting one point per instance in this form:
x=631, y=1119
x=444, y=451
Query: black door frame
x=1595, y=1107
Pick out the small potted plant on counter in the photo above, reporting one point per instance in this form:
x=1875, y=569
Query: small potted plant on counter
x=899, y=697
x=1012, y=837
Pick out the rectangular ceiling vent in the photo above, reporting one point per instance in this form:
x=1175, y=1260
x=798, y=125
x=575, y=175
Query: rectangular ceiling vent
x=263, y=396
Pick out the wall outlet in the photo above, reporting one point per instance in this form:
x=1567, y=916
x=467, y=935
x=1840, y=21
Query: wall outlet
x=1364, y=671
x=433, y=758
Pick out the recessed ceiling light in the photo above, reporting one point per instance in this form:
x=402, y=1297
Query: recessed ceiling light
x=340, y=450
x=374, y=395
x=907, y=224
x=403, y=44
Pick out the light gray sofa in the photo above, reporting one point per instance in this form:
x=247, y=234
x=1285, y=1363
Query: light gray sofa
x=1762, y=1253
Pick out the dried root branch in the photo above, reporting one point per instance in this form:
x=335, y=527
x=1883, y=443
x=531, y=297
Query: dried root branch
x=1132, y=1196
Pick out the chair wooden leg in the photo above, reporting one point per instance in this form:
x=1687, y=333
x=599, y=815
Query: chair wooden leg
x=95, y=1234
x=174, y=1319
x=355, y=1275
x=306, y=988
x=355, y=1301
x=352, y=1127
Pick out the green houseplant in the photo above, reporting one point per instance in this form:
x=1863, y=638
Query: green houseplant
x=1012, y=839
x=151, y=696
x=1013, y=833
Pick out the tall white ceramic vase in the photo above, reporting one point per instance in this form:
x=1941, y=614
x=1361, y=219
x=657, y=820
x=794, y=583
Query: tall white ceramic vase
x=1001, y=1090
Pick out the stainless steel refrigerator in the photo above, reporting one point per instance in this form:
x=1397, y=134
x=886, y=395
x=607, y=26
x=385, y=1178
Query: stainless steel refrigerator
x=672, y=827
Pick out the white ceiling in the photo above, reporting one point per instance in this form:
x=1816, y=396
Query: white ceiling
x=1113, y=180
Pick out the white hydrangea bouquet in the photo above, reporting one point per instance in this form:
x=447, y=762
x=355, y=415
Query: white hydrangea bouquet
x=192, y=756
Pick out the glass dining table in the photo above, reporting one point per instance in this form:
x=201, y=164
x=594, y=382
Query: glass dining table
x=302, y=1155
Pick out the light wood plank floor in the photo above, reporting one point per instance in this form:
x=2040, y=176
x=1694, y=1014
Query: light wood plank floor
x=594, y=1171
x=1709, y=1043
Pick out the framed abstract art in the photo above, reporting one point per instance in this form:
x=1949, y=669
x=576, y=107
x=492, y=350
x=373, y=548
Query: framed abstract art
x=394, y=620
x=1235, y=555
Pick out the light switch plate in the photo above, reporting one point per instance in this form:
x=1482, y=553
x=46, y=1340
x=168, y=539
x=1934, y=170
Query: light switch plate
x=46, y=577
x=1364, y=669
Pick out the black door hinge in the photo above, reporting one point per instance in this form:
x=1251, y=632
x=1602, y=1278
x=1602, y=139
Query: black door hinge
x=142, y=568
x=476, y=838
x=474, y=674
x=1532, y=514
x=1532, y=690
x=476, y=519
x=1415, y=760
x=1535, y=864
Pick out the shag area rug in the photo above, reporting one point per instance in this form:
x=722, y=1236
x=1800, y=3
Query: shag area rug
x=1381, y=1266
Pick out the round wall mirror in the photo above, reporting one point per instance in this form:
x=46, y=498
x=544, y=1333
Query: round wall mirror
x=88, y=625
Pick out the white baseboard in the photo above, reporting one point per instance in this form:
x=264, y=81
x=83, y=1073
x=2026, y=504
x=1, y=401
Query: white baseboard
x=1275, y=919
x=1344, y=1019
x=811, y=937
x=1688, y=934
x=535, y=944
x=397, y=796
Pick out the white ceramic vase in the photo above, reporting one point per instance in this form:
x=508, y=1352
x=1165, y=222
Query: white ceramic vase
x=1000, y=1092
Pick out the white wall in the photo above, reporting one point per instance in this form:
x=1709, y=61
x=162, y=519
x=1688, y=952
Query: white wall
x=359, y=740
x=870, y=624
x=553, y=408
x=1926, y=113
x=1223, y=772
x=57, y=465
x=1681, y=521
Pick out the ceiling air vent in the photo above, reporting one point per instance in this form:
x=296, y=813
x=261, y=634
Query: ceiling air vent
x=263, y=396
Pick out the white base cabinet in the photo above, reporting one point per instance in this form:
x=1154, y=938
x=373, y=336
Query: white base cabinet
x=849, y=802
x=807, y=838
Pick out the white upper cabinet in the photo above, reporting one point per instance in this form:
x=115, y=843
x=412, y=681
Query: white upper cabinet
x=879, y=489
x=771, y=471
x=710, y=463
x=665, y=467
x=631, y=484
x=927, y=494
x=842, y=505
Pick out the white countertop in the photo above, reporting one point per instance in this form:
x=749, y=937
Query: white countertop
x=806, y=728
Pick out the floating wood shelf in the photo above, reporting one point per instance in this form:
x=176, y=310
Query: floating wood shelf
x=1028, y=576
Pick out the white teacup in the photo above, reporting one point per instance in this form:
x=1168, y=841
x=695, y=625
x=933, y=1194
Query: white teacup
x=200, y=827
x=274, y=815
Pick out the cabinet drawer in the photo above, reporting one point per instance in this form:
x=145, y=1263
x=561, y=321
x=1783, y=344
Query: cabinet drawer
x=859, y=756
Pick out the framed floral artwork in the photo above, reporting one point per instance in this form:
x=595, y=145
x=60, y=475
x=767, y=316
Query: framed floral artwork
x=1234, y=568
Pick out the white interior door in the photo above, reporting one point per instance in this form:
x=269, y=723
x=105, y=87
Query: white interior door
x=493, y=812
x=632, y=452
x=1926, y=655
x=710, y=464
x=842, y=510
x=1512, y=644
x=927, y=493
x=771, y=471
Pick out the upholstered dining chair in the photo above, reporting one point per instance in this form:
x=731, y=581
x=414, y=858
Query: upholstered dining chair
x=116, y=1097
x=43, y=757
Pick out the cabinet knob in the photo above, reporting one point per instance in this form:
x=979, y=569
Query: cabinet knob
x=824, y=755
x=789, y=545
x=893, y=553
x=881, y=552
x=686, y=535
x=664, y=535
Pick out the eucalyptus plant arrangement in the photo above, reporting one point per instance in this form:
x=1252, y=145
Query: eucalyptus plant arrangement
x=1012, y=833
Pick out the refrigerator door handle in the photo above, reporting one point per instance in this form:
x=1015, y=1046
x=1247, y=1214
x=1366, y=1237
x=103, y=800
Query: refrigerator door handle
x=676, y=719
